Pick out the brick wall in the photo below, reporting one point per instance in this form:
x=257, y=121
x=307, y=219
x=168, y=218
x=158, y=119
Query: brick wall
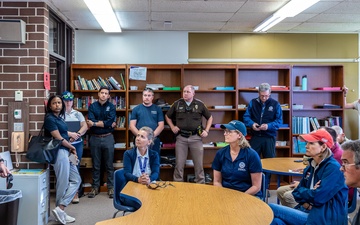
x=22, y=67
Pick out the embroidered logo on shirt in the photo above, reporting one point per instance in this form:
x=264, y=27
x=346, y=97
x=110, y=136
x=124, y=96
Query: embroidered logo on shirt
x=108, y=109
x=153, y=112
x=271, y=109
x=241, y=166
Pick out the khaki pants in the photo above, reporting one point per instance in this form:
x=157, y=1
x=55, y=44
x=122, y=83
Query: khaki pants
x=284, y=194
x=182, y=146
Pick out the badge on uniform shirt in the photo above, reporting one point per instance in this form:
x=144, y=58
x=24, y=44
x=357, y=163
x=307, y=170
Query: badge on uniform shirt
x=241, y=166
x=196, y=107
x=271, y=109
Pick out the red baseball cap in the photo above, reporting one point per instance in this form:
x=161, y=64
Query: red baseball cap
x=319, y=135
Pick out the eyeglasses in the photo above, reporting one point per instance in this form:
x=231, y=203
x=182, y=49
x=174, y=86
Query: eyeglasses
x=264, y=96
x=9, y=178
x=226, y=131
x=68, y=97
x=345, y=166
x=161, y=184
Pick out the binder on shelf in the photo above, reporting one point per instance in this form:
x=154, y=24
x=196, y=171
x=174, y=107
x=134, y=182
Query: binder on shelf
x=224, y=88
x=222, y=107
x=171, y=88
x=329, y=88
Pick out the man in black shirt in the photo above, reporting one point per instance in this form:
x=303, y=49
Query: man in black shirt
x=101, y=119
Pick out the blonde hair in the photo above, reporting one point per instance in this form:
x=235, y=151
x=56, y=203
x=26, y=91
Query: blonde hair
x=243, y=143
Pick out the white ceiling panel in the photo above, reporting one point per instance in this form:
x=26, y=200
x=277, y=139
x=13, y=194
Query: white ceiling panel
x=330, y=16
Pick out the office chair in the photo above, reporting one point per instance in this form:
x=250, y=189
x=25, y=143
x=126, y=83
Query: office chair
x=352, y=207
x=119, y=198
x=263, y=188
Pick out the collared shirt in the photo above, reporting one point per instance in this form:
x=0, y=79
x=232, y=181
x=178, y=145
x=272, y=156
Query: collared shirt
x=106, y=113
x=148, y=116
x=137, y=169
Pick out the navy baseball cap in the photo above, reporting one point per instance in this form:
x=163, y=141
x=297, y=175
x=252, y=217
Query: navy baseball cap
x=235, y=125
x=67, y=96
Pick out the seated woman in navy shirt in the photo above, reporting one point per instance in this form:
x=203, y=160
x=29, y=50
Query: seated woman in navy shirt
x=237, y=166
x=142, y=164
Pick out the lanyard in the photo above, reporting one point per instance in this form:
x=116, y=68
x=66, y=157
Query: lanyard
x=142, y=166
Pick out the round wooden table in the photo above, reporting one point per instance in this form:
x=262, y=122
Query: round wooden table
x=190, y=204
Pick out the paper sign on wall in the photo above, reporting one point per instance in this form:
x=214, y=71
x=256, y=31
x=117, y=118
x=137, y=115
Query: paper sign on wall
x=47, y=80
x=137, y=73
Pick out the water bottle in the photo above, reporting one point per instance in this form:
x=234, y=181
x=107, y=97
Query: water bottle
x=304, y=83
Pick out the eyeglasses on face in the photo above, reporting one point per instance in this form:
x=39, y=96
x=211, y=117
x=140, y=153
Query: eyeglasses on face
x=346, y=166
x=264, y=96
x=161, y=184
x=226, y=131
x=9, y=179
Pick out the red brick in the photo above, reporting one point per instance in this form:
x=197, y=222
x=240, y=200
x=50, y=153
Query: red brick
x=7, y=45
x=17, y=69
x=37, y=19
x=37, y=36
x=27, y=76
x=38, y=4
x=29, y=93
x=37, y=69
x=14, y=4
x=37, y=52
x=31, y=28
x=36, y=85
x=15, y=85
x=9, y=77
x=42, y=44
x=27, y=12
x=42, y=12
x=28, y=44
x=15, y=52
x=9, y=60
x=3, y=108
x=41, y=28
x=9, y=11
x=27, y=60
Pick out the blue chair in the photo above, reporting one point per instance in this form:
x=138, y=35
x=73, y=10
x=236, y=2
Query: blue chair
x=119, y=198
x=352, y=207
x=263, y=188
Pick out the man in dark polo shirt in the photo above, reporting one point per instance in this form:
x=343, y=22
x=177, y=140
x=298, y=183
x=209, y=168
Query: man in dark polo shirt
x=184, y=118
x=101, y=119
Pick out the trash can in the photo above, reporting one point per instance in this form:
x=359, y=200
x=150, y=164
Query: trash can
x=9, y=206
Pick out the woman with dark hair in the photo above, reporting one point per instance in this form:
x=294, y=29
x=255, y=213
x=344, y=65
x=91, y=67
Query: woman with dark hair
x=67, y=175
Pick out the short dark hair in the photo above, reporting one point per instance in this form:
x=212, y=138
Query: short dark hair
x=104, y=87
x=332, y=132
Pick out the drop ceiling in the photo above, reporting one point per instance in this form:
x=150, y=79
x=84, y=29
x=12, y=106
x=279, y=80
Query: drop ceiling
x=327, y=16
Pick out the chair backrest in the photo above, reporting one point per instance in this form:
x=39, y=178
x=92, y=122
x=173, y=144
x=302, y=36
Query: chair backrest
x=263, y=187
x=119, y=180
x=352, y=207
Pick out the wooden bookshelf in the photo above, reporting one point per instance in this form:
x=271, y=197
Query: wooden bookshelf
x=244, y=79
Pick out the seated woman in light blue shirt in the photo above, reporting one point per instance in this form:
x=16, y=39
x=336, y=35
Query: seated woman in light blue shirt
x=142, y=164
x=237, y=166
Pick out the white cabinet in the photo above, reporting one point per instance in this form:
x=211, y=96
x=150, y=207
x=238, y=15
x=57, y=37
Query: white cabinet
x=33, y=207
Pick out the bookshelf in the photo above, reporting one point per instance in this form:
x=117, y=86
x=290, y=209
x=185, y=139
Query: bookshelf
x=323, y=87
x=223, y=104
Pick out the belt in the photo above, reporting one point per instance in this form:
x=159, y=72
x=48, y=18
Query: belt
x=187, y=133
x=102, y=135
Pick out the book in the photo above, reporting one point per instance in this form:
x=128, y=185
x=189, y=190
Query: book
x=224, y=88
x=222, y=107
x=123, y=81
x=329, y=88
x=114, y=83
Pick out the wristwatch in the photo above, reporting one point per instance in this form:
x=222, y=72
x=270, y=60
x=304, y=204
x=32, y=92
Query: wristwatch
x=94, y=124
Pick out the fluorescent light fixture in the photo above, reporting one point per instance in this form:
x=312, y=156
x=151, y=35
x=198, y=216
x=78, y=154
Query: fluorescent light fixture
x=104, y=14
x=291, y=9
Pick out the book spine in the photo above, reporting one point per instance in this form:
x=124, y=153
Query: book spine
x=123, y=81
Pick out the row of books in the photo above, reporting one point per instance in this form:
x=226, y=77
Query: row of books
x=120, y=121
x=304, y=125
x=95, y=84
x=85, y=101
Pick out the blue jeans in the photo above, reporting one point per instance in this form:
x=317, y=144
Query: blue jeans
x=102, y=148
x=156, y=145
x=287, y=215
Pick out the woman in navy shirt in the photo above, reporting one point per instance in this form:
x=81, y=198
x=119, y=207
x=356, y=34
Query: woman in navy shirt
x=237, y=166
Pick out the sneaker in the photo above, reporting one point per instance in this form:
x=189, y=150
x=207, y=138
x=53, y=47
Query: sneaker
x=76, y=199
x=93, y=193
x=111, y=193
x=69, y=219
x=59, y=215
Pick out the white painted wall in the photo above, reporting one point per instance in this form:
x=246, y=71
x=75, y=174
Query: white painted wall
x=136, y=47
